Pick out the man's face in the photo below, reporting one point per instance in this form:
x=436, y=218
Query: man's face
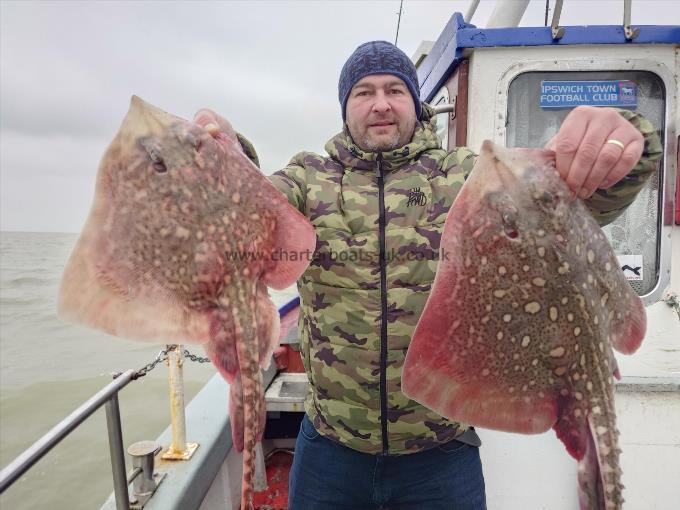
x=380, y=113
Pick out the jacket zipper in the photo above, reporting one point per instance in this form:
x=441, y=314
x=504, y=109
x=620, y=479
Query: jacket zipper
x=383, y=303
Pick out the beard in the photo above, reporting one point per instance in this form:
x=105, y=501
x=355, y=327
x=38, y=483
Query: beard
x=383, y=145
x=375, y=142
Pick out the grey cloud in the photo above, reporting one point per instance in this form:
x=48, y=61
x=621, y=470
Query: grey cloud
x=68, y=70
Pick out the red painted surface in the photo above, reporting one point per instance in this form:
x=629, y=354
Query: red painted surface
x=288, y=359
x=276, y=495
x=677, y=183
x=294, y=361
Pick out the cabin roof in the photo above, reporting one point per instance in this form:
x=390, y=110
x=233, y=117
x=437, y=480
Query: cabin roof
x=447, y=51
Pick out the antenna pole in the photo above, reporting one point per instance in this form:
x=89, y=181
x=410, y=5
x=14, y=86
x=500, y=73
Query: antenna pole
x=471, y=11
x=401, y=4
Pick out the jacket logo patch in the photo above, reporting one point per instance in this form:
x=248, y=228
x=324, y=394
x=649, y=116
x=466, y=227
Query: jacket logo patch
x=416, y=197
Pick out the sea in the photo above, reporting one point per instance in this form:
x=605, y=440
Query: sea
x=49, y=367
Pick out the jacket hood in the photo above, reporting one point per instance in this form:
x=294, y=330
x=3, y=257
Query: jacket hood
x=343, y=149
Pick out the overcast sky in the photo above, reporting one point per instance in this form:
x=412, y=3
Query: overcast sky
x=68, y=70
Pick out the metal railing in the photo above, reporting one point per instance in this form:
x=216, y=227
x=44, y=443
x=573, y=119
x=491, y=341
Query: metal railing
x=143, y=452
x=108, y=396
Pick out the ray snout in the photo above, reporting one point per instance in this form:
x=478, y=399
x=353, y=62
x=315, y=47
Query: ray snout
x=143, y=120
x=491, y=174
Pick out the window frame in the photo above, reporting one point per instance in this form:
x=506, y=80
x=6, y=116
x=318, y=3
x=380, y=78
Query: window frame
x=667, y=168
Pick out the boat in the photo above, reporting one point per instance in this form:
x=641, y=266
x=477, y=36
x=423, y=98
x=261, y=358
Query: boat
x=512, y=85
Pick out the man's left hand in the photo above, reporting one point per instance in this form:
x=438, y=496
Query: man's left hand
x=595, y=148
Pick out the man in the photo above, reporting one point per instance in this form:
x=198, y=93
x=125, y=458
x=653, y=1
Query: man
x=378, y=202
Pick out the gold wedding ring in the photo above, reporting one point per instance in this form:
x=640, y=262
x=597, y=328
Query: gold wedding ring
x=617, y=143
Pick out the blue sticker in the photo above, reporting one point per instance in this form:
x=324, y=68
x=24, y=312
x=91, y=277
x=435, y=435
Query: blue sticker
x=568, y=94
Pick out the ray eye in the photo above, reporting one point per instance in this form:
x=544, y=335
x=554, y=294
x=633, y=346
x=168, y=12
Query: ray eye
x=157, y=161
x=160, y=167
x=510, y=224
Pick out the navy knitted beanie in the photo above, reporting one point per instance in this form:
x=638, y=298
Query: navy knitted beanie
x=378, y=57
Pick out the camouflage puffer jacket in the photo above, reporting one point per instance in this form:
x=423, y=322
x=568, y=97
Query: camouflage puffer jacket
x=378, y=220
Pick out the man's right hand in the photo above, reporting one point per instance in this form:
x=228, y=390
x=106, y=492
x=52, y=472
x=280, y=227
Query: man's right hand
x=218, y=127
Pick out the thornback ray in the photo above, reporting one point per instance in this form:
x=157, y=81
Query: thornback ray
x=184, y=236
x=527, y=303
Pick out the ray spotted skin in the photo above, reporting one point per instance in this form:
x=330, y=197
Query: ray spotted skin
x=527, y=303
x=179, y=248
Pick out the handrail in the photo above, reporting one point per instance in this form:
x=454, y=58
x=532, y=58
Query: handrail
x=107, y=395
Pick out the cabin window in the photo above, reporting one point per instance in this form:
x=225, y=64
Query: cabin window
x=535, y=113
x=442, y=97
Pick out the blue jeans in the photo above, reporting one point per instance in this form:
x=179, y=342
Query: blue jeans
x=328, y=476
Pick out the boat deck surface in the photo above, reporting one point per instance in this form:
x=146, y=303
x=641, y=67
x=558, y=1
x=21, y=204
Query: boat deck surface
x=276, y=495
